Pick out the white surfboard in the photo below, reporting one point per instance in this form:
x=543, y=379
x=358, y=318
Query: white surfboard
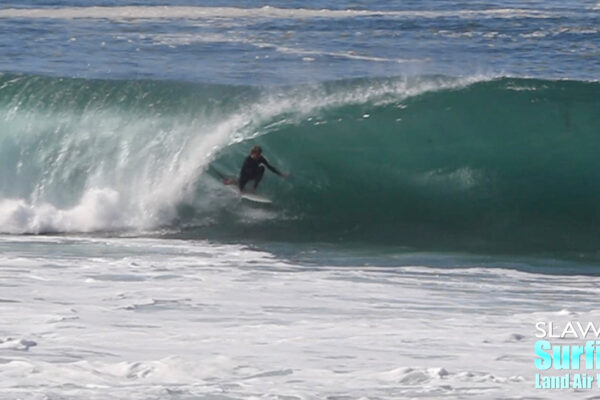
x=231, y=183
x=255, y=198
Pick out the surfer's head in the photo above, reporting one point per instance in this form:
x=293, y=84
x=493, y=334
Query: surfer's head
x=256, y=151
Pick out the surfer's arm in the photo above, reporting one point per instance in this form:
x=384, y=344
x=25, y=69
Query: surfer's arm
x=272, y=168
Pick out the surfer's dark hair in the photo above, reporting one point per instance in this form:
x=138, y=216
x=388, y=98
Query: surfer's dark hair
x=256, y=149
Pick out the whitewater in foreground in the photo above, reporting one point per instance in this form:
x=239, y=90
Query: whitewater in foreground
x=110, y=318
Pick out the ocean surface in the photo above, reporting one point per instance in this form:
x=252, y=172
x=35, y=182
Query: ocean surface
x=443, y=197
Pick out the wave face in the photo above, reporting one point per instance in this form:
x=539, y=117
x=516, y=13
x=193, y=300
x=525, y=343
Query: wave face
x=431, y=162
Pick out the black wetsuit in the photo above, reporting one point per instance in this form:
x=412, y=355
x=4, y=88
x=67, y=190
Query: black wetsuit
x=252, y=170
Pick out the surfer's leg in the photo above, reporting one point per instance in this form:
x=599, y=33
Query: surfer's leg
x=259, y=175
x=242, y=182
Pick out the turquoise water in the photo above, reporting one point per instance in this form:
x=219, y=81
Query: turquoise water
x=428, y=163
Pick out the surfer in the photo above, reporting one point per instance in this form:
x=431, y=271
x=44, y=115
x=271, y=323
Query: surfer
x=252, y=170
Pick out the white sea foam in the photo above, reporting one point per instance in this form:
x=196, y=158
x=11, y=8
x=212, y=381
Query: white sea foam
x=186, y=39
x=182, y=12
x=98, y=209
x=463, y=178
x=535, y=34
x=16, y=344
x=151, y=318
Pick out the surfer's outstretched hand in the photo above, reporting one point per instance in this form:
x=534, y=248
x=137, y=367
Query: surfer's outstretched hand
x=285, y=174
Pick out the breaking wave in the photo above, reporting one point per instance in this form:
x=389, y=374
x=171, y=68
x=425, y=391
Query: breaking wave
x=431, y=162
